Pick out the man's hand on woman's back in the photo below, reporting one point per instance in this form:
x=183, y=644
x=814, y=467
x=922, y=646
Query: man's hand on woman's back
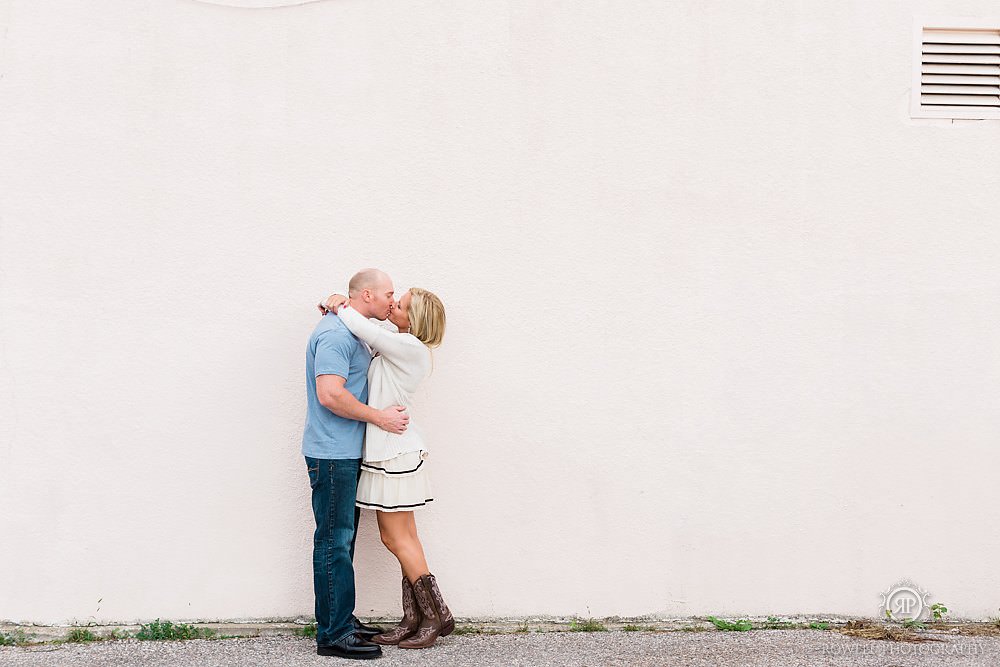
x=394, y=419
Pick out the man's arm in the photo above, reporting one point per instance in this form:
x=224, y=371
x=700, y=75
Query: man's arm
x=334, y=397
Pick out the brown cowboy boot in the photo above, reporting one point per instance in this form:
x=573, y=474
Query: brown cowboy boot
x=407, y=625
x=447, y=620
x=430, y=623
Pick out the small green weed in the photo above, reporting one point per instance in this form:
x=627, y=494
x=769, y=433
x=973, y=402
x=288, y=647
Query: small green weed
x=817, y=625
x=13, y=638
x=306, y=631
x=939, y=611
x=166, y=631
x=741, y=625
x=586, y=625
x=912, y=623
x=81, y=636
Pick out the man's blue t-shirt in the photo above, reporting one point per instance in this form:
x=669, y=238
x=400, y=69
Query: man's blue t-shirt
x=333, y=350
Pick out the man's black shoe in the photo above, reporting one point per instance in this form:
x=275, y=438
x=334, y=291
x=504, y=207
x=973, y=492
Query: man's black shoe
x=366, y=631
x=353, y=647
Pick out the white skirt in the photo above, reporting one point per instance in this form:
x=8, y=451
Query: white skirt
x=399, y=484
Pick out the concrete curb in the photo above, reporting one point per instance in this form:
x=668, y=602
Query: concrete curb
x=540, y=624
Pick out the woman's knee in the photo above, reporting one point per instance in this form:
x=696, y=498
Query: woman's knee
x=394, y=537
x=388, y=540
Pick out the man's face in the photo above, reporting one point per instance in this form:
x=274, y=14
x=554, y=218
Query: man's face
x=380, y=299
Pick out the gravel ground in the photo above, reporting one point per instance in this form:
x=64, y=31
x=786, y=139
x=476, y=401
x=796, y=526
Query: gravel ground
x=768, y=648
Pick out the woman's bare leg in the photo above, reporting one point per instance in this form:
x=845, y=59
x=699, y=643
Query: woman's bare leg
x=398, y=531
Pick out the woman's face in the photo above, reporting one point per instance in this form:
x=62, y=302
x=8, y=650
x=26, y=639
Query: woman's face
x=400, y=313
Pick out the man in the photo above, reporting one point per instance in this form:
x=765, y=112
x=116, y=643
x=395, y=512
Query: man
x=336, y=393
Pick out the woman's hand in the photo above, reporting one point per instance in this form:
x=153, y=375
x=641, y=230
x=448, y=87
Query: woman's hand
x=333, y=304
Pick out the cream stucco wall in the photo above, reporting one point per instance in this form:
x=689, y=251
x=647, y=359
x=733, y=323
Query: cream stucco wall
x=723, y=320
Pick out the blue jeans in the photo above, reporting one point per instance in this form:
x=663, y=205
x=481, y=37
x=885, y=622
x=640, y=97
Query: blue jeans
x=334, y=485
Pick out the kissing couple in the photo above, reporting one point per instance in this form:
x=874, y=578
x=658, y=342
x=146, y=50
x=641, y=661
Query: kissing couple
x=362, y=451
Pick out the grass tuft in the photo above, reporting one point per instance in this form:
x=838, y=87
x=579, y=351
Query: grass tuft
x=81, y=636
x=166, y=631
x=307, y=631
x=586, y=625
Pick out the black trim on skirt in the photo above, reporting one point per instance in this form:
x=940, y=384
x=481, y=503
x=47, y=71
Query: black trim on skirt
x=392, y=507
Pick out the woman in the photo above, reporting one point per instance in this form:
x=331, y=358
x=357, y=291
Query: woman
x=394, y=478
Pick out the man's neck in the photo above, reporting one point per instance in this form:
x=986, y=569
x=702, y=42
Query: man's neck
x=358, y=306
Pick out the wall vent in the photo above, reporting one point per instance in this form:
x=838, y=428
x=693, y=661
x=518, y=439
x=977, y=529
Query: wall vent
x=957, y=72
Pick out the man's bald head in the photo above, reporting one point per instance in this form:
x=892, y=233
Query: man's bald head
x=369, y=279
x=370, y=292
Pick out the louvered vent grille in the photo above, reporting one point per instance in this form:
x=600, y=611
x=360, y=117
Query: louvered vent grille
x=960, y=72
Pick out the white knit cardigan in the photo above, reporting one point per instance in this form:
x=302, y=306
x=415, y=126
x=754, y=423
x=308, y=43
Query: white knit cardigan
x=401, y=363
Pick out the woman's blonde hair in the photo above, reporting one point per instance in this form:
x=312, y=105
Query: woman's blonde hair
x=426, y=317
